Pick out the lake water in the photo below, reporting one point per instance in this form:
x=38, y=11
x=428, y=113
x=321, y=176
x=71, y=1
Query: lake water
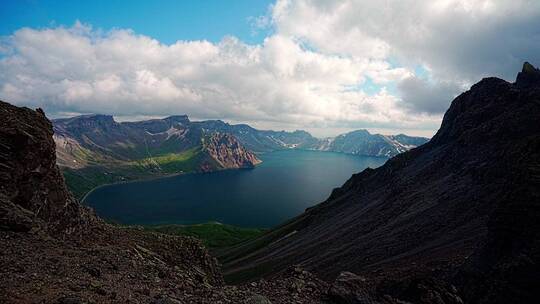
x=283, y=186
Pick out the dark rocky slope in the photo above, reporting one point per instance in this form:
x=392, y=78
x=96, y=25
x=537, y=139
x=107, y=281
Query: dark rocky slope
x=463, y=209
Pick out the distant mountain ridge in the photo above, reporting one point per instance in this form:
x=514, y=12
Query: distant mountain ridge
x=359, y=142
x=95, y=149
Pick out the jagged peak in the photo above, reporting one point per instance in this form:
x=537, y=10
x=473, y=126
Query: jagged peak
x=529, y=76
x=486, y=100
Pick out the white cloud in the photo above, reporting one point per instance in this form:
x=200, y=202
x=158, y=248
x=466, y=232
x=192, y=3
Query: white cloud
x=309, y=73
x=425, y=96
x=82, y=70
x=457, y=41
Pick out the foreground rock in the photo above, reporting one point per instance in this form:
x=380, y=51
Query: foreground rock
x=350, y=288
x=32, y=190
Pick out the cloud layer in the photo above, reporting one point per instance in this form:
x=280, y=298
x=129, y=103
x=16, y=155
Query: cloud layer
x=456, y=41
x=314, y=72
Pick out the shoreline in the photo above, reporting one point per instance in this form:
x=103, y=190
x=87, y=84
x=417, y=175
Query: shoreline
x=130, y=181
x=144, y=179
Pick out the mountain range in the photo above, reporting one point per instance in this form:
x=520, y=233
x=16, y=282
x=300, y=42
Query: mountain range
x=95, y=149
x=456, y=220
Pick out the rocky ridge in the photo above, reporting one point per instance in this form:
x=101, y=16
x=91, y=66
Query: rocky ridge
x=361, y=142
x=95, y=149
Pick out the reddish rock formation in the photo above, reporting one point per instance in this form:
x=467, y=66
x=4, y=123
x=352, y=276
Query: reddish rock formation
x=225, y=149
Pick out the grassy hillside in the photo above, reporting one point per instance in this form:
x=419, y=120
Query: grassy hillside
x=81, y=181
x=214, y=235
x=187, y=161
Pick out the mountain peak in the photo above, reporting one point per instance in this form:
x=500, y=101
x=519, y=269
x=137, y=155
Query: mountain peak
x=461, y=208
x=529, y=76
x=473, y=114
x=178, y=118
x=363, y=132
x=97, y=118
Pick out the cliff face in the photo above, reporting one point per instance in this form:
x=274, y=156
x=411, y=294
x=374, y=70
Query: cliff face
x=225, y=149
x=468, y=201
x=32, y=190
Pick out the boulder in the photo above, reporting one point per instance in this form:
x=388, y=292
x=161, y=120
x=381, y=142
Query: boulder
x=350, y=288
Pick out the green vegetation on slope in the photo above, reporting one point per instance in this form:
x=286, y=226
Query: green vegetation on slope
x=81, y=181
x=229, y=257
x=213, y=235
x=187, y=161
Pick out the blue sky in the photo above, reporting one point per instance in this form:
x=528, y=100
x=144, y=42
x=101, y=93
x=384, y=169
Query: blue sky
x=166, y=21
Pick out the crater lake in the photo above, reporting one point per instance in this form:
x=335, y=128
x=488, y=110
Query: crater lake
x=281, y=187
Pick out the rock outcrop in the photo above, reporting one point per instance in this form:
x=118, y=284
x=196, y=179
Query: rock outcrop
x=53, y=247
x=225, y=149
x=32, y=189
x=468, y=201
